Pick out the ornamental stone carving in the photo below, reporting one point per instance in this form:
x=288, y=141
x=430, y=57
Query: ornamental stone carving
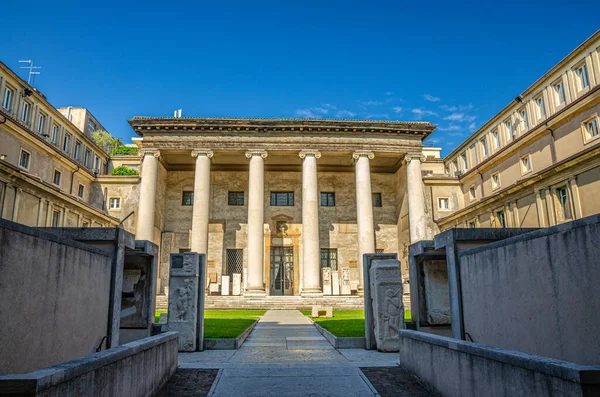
x=386, y=297
x=153, y=152
x=363, y=153
x=256, y=152
x=203, y=152
x=314, y=153
x=410, y=157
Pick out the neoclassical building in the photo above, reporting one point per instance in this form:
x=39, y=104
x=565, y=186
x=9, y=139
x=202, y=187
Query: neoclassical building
x=276, y=200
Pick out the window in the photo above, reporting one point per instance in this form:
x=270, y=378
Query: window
x=97, y=164
x=377, y=200
x=235, y=261
x=80, y=190
x=114, y=203
x=327, y=199
x=187, y=198
x=495, y=180
x=525, y=164
x=590, y=129
x=86, y=158
x=496, y=137
x=472, y=193
x=54, y=136
x=25, y=112
x=85, y=224
x=282, y=199
x=472, y=225
x=24, y=159
x=67, y=143
x=465, y=164
x=91, y=126
x=443, y=204
x=56, y=179
x=455, y=164
x=235, y=198
x=55, y=218
x=329, y=258
x=582, y=77
x=379, y=250
x=501, y=219
x=565, y=204
x=540, y=108
x=524, y=120
x=42, y=124
x=7, y=98
x=510, y=133
x=484, y=147
x=559, y=93
x=77, y=150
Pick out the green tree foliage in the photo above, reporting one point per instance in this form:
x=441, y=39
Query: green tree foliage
x=122, y=170
x=106, y=141
x=124, y=150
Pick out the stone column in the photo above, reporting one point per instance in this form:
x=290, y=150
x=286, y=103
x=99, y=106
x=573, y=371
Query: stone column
x=311, y=279
x=364, y=210
x=256, y=211
x=201, y=210
x=145, y=215
x=416, y=200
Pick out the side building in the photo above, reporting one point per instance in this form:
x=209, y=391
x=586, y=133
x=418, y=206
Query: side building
x=48, y=166
x=537, y=162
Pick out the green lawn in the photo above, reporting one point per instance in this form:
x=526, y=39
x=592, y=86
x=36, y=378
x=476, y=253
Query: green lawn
x=346, y=323
x=225, y=323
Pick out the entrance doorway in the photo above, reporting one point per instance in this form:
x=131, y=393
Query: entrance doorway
x=282, y=271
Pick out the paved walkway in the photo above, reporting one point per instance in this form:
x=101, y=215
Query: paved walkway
x=285, y=355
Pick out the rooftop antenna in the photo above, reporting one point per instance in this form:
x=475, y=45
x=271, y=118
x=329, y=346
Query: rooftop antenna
x=177, y=113
x=30, y=81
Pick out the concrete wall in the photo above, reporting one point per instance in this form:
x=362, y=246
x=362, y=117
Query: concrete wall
x=463, y=369
x=537, y=293
x=138, y=368
x=54, y=298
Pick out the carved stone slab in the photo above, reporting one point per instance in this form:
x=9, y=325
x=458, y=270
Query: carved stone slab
x=224, y=285
x=386, y=295
x=326, y=276
x=345, y=284
x=236, y=284
x=335, y=283
x=370, y=343
x=186, y=299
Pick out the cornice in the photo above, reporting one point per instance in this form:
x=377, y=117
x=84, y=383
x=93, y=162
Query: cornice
x=124, y=179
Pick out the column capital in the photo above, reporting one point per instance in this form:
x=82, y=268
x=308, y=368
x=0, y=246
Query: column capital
x=203, y=152
x=153, y=152
x=410, y=157
x=363, y=153
x=256, y=152
x=304, y=153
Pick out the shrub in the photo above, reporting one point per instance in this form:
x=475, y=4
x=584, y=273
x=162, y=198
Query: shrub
x=124, y=150
x=122, y=170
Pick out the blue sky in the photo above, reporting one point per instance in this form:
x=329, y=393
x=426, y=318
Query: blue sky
x=455, y=65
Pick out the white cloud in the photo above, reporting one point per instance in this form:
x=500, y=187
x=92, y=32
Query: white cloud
x=460, y=117
x=388, y=93
x=431, y=98
x=459, y=134
x=344, y=114
x=397, y=109
x=451, y=127
x=472, y=127
x=449, y=108
x=371, y=103
x=373, y=116
x=423, y=112
x=314, y=113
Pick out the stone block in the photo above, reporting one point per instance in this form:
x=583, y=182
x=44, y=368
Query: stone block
x=386, y=297
x=345, y=284
x=186, y=299
x=163, y=319
x=326, y=277
x=224, y=285
x=236, y=284
x=335, y=283
x=317, y=309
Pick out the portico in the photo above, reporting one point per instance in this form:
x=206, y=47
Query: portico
x=278, y=200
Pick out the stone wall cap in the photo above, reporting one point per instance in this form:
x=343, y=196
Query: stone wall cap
x=454, y=235
x=584, y=374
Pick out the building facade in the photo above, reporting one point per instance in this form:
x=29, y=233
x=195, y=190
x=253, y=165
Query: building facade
x=48, y=167
x=535, y=163
x=276, y=200
x=81, y=118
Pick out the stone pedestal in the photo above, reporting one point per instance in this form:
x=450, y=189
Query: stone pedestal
x=335, y=283
x=345, y=285
x=236, y=284
x=326, y=275
x=368, y=259
x=186, y=299
x=388, y=311
x=224, y=285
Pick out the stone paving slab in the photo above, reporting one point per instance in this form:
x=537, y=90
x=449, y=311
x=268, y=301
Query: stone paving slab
x=395, y=382
x=189, y=383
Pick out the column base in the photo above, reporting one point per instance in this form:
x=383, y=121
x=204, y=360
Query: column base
x=360, y=291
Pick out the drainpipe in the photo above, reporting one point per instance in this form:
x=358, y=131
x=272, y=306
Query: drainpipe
x=482, y=189
x=72, y=177
x=552, y=146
